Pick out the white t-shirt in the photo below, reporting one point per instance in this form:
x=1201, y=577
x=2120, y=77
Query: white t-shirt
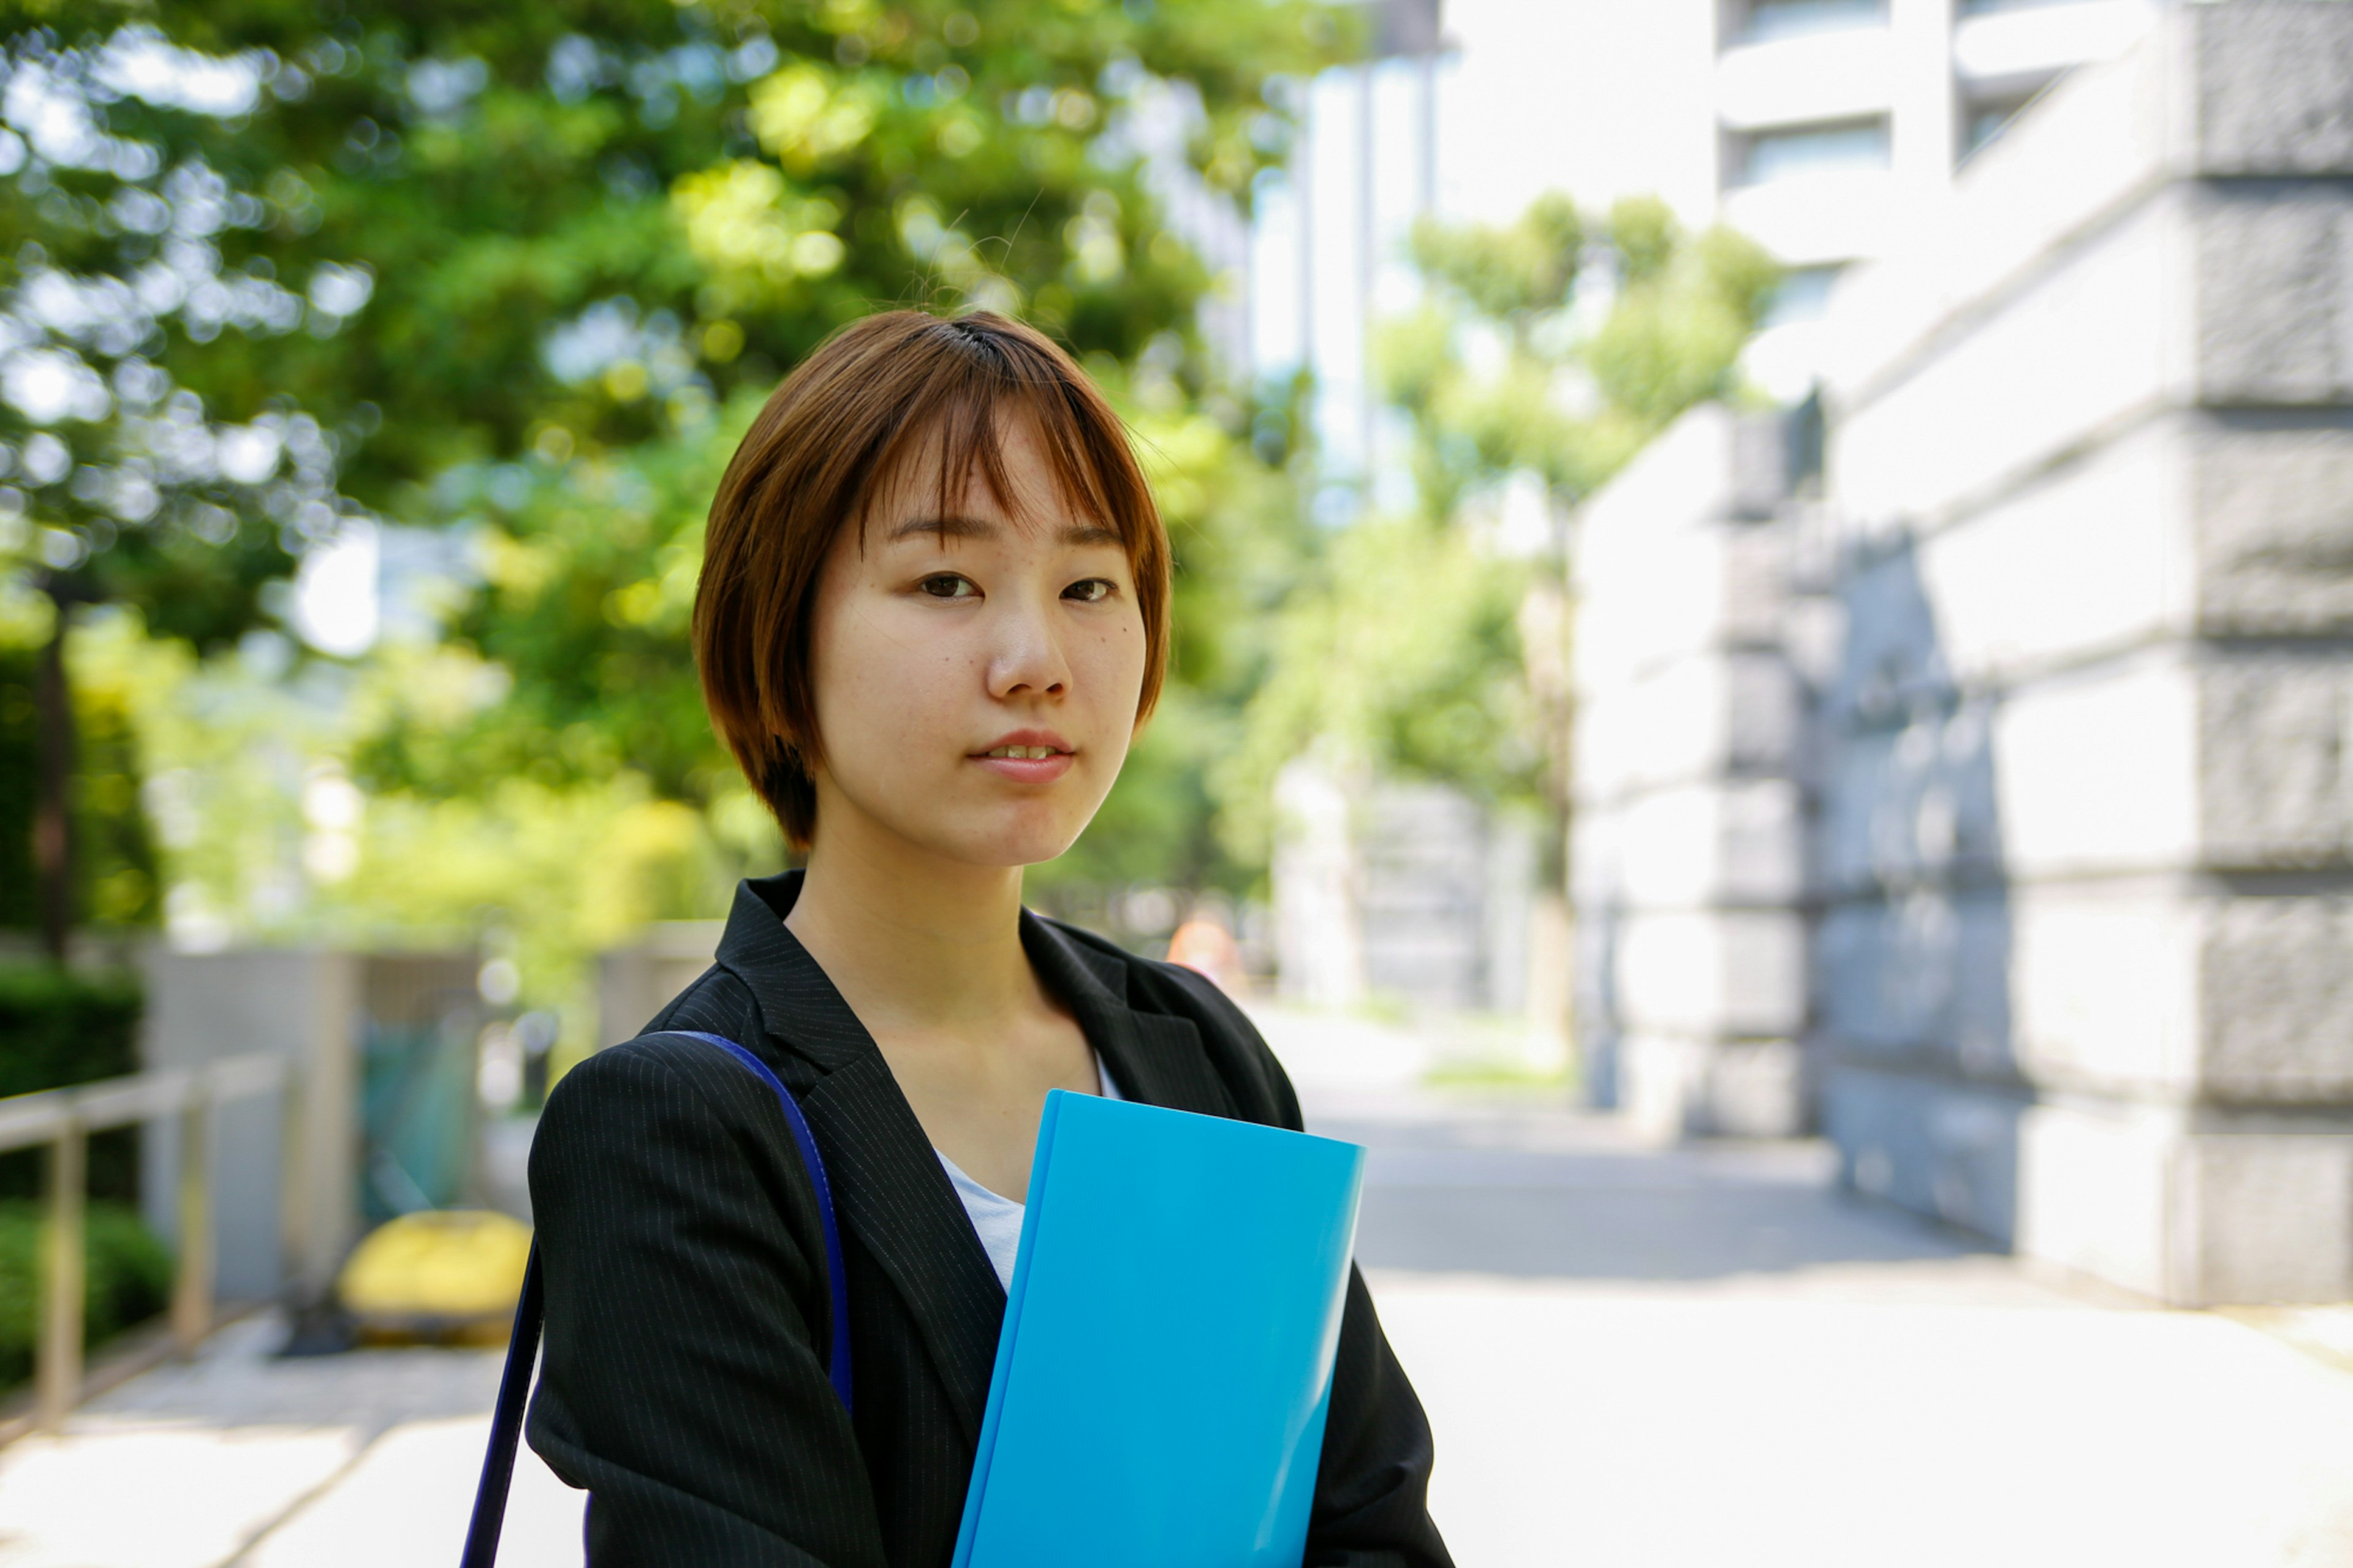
x=997, y=1220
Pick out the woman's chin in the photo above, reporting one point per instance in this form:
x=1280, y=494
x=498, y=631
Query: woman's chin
x=1021, y=840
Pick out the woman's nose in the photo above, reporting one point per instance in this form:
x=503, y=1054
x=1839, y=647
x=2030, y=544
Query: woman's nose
x=1027, y=653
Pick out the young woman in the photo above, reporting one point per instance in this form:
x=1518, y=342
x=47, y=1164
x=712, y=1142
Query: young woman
x=933, y=612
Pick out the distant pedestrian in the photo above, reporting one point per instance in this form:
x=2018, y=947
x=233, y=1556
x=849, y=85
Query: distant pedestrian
x=1204, y=946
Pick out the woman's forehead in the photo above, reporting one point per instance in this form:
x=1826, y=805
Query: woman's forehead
x=957, y=471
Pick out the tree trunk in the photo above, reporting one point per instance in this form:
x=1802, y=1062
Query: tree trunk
x=53, y=859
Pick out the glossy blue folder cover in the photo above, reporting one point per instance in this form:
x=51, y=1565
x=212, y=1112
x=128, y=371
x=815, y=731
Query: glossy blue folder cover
x=1166, y=1364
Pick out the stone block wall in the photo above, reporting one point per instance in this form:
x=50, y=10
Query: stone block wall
x=1688, y=860
x=2010, y=775
x=2084, y=865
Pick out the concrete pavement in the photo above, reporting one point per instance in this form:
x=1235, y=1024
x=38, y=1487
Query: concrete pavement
x=1692, y=1357
x=1633, y=1357
x=346, y=1461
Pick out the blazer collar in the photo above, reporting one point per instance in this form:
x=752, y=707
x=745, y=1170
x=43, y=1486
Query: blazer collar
x=1153, y=1056
x=888, y=1188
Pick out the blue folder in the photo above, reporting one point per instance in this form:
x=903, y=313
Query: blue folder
x=1166, y=1364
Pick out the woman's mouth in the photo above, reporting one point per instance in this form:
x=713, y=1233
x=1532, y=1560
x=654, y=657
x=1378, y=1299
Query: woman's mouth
x=1028, y=759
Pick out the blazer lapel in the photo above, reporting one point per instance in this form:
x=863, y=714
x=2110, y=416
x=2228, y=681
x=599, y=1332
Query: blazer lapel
x=889, y=1190
x=888, y=1187
x=1153, y=1058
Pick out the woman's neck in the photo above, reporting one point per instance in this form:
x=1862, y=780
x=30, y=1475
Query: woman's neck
x=913, y=941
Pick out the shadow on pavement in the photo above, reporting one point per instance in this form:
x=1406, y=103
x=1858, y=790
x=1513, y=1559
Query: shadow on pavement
x=1549, y=1193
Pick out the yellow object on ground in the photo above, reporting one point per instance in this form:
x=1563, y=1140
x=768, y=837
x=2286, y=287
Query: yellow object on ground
x=438, y=1273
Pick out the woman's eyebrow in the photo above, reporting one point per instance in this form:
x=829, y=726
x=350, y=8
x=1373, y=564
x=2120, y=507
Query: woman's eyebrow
x=1076, y=533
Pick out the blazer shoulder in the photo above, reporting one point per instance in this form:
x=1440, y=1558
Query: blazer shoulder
x=649, y=1079
x=1152, y=986
x=717, y=1003
x=655, y=1076
x=633, y=1116
x=647, y=1062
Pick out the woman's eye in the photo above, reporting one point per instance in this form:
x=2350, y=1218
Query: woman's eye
x=948, y=585
x=1090, y=591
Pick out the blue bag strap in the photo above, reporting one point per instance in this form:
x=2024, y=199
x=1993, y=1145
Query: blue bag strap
x=506, y=1424
x=837, y=1278
x=531, y=1311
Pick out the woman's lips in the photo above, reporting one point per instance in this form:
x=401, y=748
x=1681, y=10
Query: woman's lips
x=1028, y=767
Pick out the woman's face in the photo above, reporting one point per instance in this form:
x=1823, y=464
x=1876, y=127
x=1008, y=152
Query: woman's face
x=976, y=674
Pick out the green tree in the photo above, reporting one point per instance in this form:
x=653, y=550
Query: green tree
x=1566, y=403
x=525, y=271
x=1428, y=645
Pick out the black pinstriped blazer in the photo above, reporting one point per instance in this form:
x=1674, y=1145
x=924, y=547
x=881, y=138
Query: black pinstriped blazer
x=683, y=1383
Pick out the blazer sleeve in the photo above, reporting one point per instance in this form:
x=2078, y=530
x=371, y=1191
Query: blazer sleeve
x=1372, y=1488
x=682, y=1381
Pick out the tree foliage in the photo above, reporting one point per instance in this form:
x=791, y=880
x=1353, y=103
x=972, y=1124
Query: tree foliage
x=274, y=261
x=1537, y=351
x=1546, y=353
x=514, y=279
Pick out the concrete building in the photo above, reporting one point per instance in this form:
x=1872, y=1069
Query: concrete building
x=635, y=982
x=384, y=1051
x=1688, y=857
x=1821, y=128
x=1825, y=129
x=1840, y=124
x=1405, y=891
x=2052, y=657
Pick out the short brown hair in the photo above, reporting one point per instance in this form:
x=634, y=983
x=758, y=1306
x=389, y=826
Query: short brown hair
x=842, y=423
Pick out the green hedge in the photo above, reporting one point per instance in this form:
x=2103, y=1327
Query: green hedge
x=128, y=1274
x=60, y=1027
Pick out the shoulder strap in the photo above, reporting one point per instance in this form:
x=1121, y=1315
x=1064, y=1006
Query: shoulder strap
x=523, y=1347
x=837, y=1278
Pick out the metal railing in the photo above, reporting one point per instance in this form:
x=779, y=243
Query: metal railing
x=63, y=1119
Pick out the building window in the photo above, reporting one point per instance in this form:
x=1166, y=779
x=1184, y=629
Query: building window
x=1804, y=295
x=1768, y=19
x=1987, y=121
x=1772, y=155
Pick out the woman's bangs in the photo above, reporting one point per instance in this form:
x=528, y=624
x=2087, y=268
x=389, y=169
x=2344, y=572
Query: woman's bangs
x=963, y=427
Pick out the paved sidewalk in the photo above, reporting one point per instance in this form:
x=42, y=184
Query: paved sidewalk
x=1703, y=1357
x=1633, y=1358
x=346, y=1461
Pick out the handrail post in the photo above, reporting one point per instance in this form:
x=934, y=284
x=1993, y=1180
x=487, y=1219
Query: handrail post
x=294, y=1194
x=192, y=1286
x=59, y=1372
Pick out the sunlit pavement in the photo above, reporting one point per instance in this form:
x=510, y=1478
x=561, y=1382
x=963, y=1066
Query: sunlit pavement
x=360, y=1460
x=1700, y=1358
x=1708, y=1358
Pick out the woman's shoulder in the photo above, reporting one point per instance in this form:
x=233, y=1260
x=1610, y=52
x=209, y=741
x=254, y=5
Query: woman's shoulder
x=660, y=1075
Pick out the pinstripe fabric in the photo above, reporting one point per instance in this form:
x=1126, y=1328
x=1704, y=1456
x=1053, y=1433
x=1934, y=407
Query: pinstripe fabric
x=684, y=1379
